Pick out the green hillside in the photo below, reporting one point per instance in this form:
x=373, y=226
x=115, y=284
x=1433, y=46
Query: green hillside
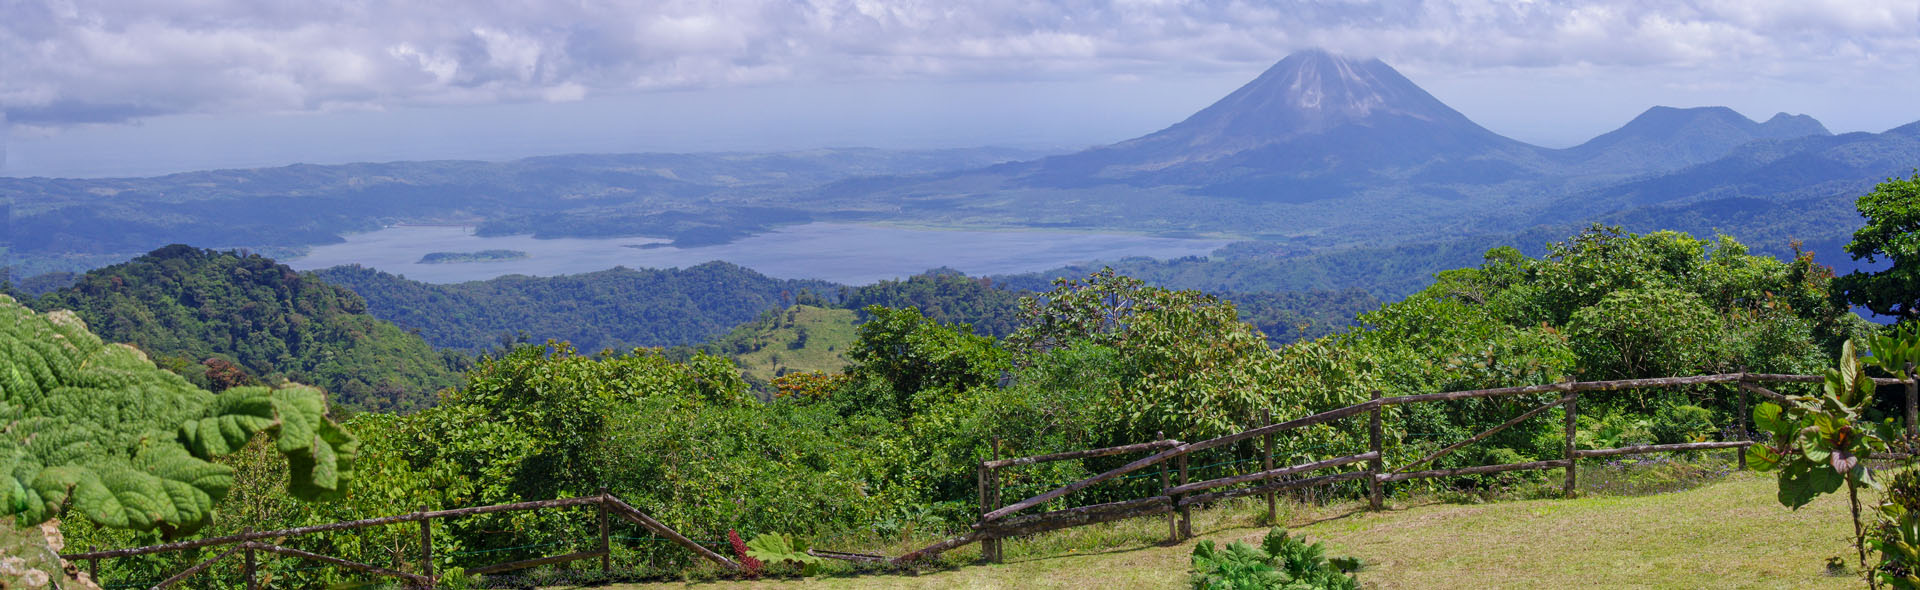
x=227, y=318
x=619, y=308
x=803, y=338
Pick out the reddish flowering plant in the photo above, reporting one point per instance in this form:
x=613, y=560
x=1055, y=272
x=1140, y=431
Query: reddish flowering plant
x=747, y=562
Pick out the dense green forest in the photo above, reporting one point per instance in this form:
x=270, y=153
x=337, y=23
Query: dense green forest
x=222, y=319
x=888, y=445
x=946, y=296
x=619, y=309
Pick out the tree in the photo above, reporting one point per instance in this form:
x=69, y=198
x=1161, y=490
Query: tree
x=1893, y=232
x=1184, y=364
x=901, y=355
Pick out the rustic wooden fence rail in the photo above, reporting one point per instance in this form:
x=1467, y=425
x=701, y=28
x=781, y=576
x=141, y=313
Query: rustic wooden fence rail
x=250, y=542
x=1178, y=495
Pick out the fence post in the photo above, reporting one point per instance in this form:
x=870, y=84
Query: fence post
x=93, y=567
x=1186, y=512
x=1266, y=464
x=606, y=541
x=426, y=548
x=251, y=583
x=1740, y=424
x=1376, y=498
x=993, y=547
x=1573, y=413
x=1913, y=398
x=1173, y=521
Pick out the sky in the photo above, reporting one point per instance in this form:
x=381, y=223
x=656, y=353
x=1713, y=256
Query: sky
x=134, y=87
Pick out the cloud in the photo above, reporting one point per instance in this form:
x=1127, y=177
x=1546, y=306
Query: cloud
x=73, y=62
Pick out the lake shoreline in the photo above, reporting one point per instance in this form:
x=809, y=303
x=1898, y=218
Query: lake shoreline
x=847, y=253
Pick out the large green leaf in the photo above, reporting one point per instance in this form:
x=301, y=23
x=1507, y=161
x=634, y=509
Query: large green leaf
x=776, y=547
x=1768, y=417
x=97, y=428
x=1801, y=481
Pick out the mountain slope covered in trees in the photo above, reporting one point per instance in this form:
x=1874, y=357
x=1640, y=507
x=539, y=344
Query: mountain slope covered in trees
x=619, y=308
x=226, y=318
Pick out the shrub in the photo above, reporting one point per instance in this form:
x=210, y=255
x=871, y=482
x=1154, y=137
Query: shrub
x=1280, y=562
x=1897, y=536
x=1681, y=423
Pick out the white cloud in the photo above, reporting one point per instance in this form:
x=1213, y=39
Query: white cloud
x=106, y=61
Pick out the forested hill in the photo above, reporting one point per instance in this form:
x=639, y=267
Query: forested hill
x=227, y=318
x=992, y=304
x=946, y=296
x=619, y=308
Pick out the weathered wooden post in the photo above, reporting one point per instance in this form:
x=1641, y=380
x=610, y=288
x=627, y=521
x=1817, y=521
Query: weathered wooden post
x=1573, y=413
x=1266, y=464
x=426, y=548
x=251, y=583
x=93, y=567
x=993, y=547
x=1186, y=512
x=606, y=540
x=1173, y=521
x=1740, y=426
x=1376, y=497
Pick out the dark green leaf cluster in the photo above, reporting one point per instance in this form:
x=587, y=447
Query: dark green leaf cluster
x=100, y=429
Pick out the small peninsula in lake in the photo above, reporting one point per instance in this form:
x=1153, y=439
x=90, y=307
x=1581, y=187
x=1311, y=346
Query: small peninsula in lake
x=481, y=256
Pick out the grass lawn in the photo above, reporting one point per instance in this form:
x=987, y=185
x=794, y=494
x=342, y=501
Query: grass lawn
x=1730, y=534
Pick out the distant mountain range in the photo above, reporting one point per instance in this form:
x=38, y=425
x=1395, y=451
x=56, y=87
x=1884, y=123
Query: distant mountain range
x=1327, y=152
x=1320, y=154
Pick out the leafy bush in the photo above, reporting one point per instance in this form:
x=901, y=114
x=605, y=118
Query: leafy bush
x=1681, y=424
x=1612, y=430
x=1280, y=562
x=1897, y=536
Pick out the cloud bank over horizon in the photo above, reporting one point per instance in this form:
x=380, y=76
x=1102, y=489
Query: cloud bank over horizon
x=80, y=63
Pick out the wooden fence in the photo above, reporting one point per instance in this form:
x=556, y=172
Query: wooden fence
x=1177, y=495
x=249, y=543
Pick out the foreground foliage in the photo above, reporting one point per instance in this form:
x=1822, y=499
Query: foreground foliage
x=129, y=444
x=1280, y=562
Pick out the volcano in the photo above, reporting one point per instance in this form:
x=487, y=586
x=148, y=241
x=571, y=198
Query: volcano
x=1315, y=125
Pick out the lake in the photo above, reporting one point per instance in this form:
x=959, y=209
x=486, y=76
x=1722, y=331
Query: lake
x=852, y=254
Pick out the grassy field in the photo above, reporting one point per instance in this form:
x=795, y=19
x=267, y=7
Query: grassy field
x=779, y=344
x=1730, y=534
